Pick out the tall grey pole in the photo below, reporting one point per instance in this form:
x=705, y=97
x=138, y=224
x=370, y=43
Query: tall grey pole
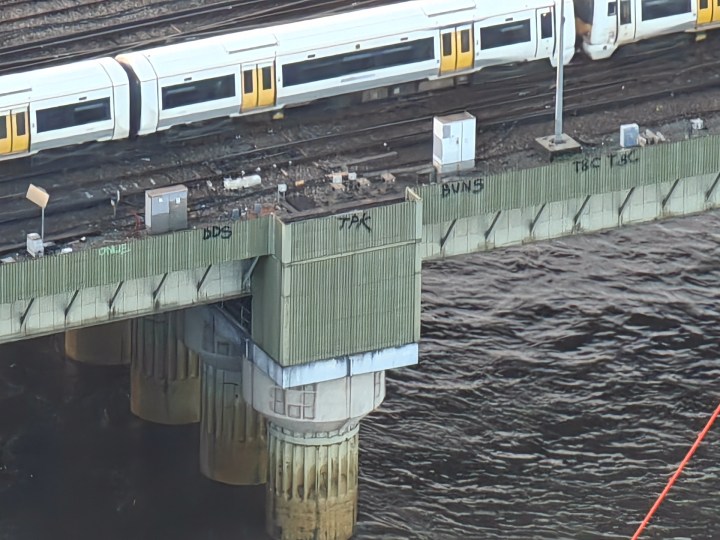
x=559, y=82
x=42, y=226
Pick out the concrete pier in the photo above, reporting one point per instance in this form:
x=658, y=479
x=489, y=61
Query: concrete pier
x=233, y=444
x=164, y=373
x=103, y=345
x=312, y=484
x=313, y=451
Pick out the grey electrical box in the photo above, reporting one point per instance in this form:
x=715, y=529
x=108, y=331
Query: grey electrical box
x=166, y=209
x=629, y=135
x=454, y=142
x=35, y=245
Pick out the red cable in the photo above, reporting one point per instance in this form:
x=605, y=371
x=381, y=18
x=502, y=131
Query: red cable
x=670, y=483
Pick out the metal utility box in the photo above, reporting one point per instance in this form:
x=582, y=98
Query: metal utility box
x=454, y=142
x=35, y=245
x=629, y=135
x=166, y=209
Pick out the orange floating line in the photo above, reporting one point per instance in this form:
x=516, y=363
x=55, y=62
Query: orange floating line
x=675, y=476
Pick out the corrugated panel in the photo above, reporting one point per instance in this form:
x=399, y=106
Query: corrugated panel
x=150, y=256
x=345, y=233
x=267, y=322
x=586, y=175
x=346, y=305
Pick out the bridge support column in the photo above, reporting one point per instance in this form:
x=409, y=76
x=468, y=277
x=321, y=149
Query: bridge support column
x=312, y=484
x=104, y=345
x=233, y=445
x=164, y=373
x=313, y=451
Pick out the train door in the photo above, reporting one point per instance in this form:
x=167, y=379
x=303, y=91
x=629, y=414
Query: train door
x=258, y=86
x=626, y=22
x=457, y=52
x=708, y=11
x=14, y=132
x=546, y=37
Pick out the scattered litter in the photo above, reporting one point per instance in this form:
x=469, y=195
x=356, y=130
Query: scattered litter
x=242, y=182
x=697, y=124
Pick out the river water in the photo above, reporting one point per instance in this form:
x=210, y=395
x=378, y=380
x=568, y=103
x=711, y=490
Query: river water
x=559, y=386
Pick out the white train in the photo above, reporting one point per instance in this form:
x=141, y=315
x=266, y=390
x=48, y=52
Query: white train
x=380, y=51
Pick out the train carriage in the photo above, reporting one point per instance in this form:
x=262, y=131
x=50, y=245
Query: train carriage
x=295, y=63
x=209, y=78
x=606, y=25
x=64, y=105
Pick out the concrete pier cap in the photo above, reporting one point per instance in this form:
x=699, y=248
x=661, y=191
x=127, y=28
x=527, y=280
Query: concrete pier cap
x=312, y=451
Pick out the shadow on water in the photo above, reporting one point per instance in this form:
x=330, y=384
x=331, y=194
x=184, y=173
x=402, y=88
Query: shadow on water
x=75, y=463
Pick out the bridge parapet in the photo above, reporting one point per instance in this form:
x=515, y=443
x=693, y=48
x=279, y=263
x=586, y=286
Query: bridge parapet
x=100, y=284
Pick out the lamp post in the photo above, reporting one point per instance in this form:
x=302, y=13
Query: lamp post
x=40, y=197
x=559, y=143
x=559, y=78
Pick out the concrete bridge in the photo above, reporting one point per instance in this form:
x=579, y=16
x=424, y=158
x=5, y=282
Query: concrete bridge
x=275, y=335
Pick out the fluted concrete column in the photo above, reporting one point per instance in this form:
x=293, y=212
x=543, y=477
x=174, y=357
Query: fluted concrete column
x=233, y=444
x=312, y=484
x=164, y=373
x=105, y=345
x=313, y=451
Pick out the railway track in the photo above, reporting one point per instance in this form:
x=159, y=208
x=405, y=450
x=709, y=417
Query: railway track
x=134, y=32
x=525, y=100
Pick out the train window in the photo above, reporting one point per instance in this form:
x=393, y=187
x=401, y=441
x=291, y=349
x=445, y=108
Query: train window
x=3, y=127
x=703, y=4
x=248, y=87
x=502, y=35
x=625, y=12
x=447, y=48
x=180, y=95
x=657, y=9
x=585, y=10
x=546, y=25
x=350, y=63
x=267, y=78
x=20, y=119
x=464, y=41
x=612, y=9
x=76, y=114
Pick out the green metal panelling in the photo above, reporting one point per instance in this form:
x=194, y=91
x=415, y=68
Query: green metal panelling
x=153, y=255
x=267, y=324
x=584, y=175
x=347, y=305
x=354, y=231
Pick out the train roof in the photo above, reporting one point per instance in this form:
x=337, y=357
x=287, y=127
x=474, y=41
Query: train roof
x=56, y=81
x=321, y=32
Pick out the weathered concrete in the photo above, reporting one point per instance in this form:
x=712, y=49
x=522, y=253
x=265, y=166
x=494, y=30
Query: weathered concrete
x=233, y=444
x=312, y=484
x=313, y=451
x=164, y=373
x=104, y=345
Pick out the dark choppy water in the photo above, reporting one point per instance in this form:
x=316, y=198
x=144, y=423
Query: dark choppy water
x=559, y=386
